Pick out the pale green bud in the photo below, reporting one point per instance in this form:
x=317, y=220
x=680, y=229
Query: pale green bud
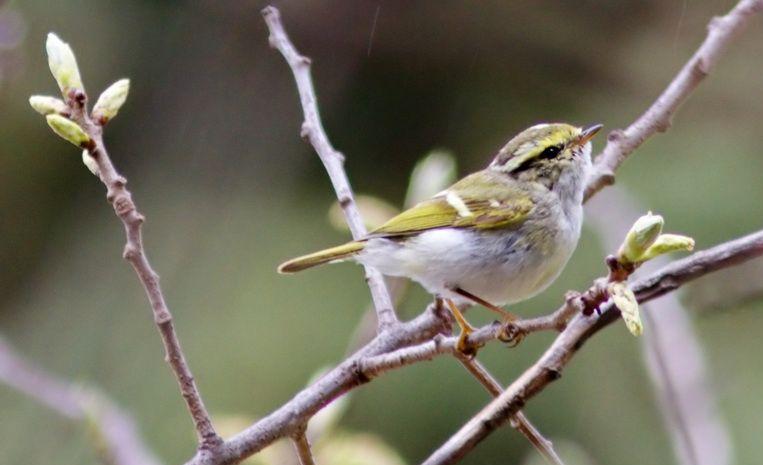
x=63, y=64
x=111, y=100
x=68, y=130
x=642, y=234
x=626, y=302
x=667, y=243
x=431, y=175
x=89, y=162
x=46, y=105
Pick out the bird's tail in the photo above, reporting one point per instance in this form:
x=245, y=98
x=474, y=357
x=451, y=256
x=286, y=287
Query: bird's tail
x=318, y=258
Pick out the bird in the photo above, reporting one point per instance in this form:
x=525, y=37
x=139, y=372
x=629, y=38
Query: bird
x=496, y=237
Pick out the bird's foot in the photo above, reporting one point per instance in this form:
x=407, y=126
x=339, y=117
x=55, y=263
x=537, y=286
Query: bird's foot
x=510, y=333
x=464, y=346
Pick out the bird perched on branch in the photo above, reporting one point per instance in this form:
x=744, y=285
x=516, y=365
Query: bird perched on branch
x=496, y=237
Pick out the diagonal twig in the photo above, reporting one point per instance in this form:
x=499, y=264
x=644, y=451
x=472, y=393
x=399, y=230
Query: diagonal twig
x=115, y=434
x=519, y=420
x=657, y=118
x=302, y=447
x=333, y=161
x=120, y=199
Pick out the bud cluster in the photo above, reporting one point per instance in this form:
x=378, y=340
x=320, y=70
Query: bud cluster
x=58, y=112
x=643, y=242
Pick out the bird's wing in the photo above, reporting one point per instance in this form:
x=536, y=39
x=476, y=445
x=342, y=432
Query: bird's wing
x=496, y=203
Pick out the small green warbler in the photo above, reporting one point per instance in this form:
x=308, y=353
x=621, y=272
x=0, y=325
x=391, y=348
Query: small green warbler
x=496, y=237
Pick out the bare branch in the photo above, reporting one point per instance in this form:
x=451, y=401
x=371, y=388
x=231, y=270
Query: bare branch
x=117, y=437
x=657, y=118
x=518, y=421
x=120, y=199
x=549, y=367
x=333, y=161
x=302, y=447
x=36, y=383
x=288, y=418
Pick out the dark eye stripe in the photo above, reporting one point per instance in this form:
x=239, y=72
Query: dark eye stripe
x=547, y=154
x=551, y=152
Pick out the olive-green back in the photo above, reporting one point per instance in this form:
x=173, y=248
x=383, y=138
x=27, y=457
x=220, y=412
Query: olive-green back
x=483, y=200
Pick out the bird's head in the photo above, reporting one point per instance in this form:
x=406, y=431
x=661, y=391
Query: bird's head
x=545, y=152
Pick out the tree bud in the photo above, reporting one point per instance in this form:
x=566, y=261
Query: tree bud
x=89, y=162
x=626, y=302
x=68, y=130
x=63, y=64
x=111, y=100
x=46, y=105
x=667, y=243
x=642, y=234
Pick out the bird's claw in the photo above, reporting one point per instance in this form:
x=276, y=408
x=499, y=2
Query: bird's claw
x=464, y=346
x=511, y=334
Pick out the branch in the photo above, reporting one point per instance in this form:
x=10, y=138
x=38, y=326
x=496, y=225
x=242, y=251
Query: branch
x=549, y=367
x=302, y=447
x=117, y=436
x=120, y=199
x=518, y=421
x=657, y=118
x=333, y=161
x=287, y=419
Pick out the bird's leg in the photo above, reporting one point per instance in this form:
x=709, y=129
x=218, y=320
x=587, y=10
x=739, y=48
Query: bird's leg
x=505, y=315
x=511, y=334
x=466, y=329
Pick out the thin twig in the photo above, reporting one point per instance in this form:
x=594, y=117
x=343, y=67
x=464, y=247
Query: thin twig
x=120, y=199
x=302, y=447
x=518, y=421
x=657, y=118
x=333, y=161
x=22, y=375
x=116, y=437
x=549, y=367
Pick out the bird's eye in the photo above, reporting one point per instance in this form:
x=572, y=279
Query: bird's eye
x=551, y=151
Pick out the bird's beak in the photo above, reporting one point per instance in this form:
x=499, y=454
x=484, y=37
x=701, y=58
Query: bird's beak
x=588, y=133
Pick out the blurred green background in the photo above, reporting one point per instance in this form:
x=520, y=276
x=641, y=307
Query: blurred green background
x=209, y=140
